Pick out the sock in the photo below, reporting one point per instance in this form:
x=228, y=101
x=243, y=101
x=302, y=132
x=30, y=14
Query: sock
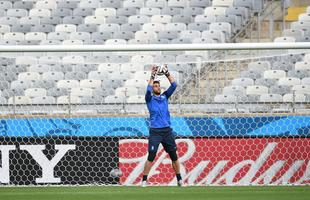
x=179, y=177
x=144, y=178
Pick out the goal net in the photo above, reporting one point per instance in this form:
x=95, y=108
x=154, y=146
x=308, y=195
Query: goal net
x=75, y=118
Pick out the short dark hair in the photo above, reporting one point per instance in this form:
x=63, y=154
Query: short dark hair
x=156, y=82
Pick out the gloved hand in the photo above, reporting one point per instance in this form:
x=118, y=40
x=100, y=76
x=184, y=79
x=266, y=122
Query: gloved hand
x=165, y=70
x=153, y=72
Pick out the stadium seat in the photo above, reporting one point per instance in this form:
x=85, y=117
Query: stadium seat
x=46, y=100
x=19, y=100
x=270, y=98
x=136, y=99
x=274, y=74
x=234, y=90
x=256, y=89
x=80, y=91
x=225, y=98
x=35, y=92
x=114, y=99
x=294, y=98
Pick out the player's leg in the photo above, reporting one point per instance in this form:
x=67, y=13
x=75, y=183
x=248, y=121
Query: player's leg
x=171, y=148
x=153, y=143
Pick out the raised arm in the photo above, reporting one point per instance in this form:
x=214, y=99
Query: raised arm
x=148, y=95
x=173, y=85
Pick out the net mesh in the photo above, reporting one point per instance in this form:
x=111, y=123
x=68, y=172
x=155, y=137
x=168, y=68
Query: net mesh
x=239, y=117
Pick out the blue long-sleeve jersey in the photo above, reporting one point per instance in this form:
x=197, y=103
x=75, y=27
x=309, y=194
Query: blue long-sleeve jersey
x=158, y=106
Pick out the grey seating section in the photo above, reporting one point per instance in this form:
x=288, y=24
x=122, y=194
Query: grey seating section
x=45, y=28
x=124, y=35
x=249, y=98
x=116, y=19
x=149, y=11
x=57, y=36
x=182, y=19
x=111, y=3
x=56, y=92
x=104, y=91
x=80, y=36
x=92, y=99
x=87, y=28
x=2, y=13
x=16, y=84
x=253, y=74
x=16, y=13
x=243, y=3
x=43, y=84
x=297, y=34
x=232, y=19
x=156, y=3
x=181, y=41
x=8, y=20
x=186, y=58
x=83, y=12
x=167, y=35
x=164, y=59
x=95, y=59
x=4, y=85
x=43, y=100
x=51, y=20
x=17, y=68
x=8, y=76
x=203, y=40
x=280, y=89
x=119, y=58
x=214, y=34
x=101, y=35
x=51, y=42
x=193, y=11
x=75, y=75
x=73, y=20
x=159, y=41
x=111, y=27
x=127, y=11
x=265, y=82
x=171, y=11
x=12, y=92
x=282, y=65
x=5, y=5
x=67, y=4
x=198, y=26
x=141, y=19
x=23, y=5
x=61, y=12
x=298, y=73
x=23, y=28
x=8, y=42
x=199, y=3
x=28, y=42
x=28, y=20
x=130, y=27
x=176, y=27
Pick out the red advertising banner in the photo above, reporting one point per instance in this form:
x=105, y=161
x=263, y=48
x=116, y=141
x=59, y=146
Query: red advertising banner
x=257, y=161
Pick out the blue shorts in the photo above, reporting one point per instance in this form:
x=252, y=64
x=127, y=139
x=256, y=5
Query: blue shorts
x=163, y=136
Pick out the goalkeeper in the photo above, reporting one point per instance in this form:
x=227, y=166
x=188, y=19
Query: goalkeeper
x=160, y=131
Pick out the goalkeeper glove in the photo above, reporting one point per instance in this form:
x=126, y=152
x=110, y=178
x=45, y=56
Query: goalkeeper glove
x=153, y=73
x=165, y=71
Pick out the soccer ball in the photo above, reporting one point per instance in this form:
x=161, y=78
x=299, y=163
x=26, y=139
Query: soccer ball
x=160, y=70
x=116, y=173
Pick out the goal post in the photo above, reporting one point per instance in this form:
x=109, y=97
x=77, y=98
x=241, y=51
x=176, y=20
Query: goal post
x=76, y=115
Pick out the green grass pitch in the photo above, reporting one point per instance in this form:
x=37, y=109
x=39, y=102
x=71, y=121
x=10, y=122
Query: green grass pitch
x=156, y=193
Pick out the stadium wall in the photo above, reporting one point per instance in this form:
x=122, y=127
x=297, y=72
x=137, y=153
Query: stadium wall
x=213, y=150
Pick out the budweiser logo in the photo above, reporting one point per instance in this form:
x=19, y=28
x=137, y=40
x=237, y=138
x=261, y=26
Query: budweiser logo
x=222, y=161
